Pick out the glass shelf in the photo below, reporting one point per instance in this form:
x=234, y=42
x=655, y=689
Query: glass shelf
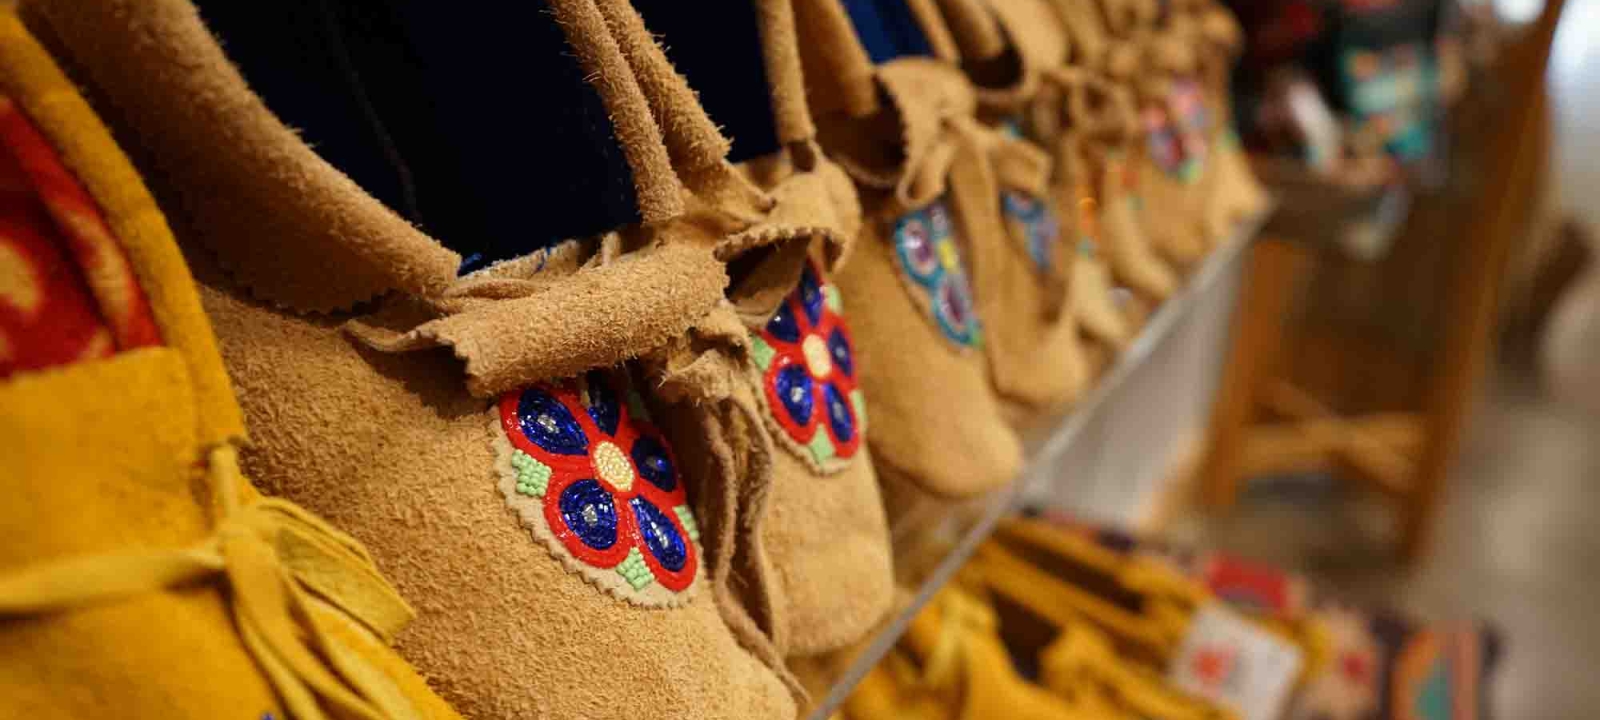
x=929, y=550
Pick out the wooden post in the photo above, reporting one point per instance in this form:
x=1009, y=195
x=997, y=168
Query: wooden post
x=1257, y=335
x=1511, y=165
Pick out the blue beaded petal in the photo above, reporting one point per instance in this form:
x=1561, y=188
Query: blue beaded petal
x=839, y=348
x=838, y=414
x=660, y=536
x=951, y=306
x=793, y=384
x=651, y=460
x=603, y=407
x=1039, y=223
x=811, y=296
x=782, y=325
x=548, y=424
x=588, y=509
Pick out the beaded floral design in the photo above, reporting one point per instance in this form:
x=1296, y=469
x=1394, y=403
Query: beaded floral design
x=925, y=247
x=1165, y=147
x=1039, y=225
x=598, y=485
x=1194, y=119
x=809, y=374
x=1176, y=135
x=1041, y=230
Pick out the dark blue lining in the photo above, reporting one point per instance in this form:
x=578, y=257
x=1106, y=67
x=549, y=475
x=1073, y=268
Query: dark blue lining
x=475, y=125
x=887, y=29
x=717, y=47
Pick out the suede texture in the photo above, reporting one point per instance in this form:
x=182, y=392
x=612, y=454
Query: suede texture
x=930, y=22
x=142, y=55
x=953, y=665
x=696, y=149
x=486, y=321
x=415, y=463
x=167, y=650
x=1074, y=182
x=171, y=653
x=96, y=658
x=1120, y=43
x=1053, y=103
x=397, y=444
x=825, y=535
x=1235, y=194
x=30, y=77
x=938, y=423
x=1128, y=251
x=785, y=71
x=272, y=186
x=831, y=554
x=1064, y=578
x=1096, y=310
x=837, y=70
x=932, y=411
x=940, y=430
x=977, y=34
x=1082, y=663
x=826, y=531
x=1173, y=209
x=1092, y=141
x=1089, y=43
x=1124, y=18
x=1034, y=343
x=1033, y=340
x=1175, y=201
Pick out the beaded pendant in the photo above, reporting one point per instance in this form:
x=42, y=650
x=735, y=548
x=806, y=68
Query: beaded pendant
x=597, y=484
x=925, y=248
x=809, y=374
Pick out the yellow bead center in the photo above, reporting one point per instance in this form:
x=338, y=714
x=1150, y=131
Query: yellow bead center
x=947, y=256
x=612, y=465
x=818, y=360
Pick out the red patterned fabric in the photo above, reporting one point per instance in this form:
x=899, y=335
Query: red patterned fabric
x=1260, y=589
x=67, y=292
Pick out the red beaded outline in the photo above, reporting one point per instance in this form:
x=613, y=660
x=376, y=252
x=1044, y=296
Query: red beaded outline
x=790, y=353
x=568, y=469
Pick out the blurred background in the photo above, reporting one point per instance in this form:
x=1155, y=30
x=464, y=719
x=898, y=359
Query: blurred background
x=1510, y=540
x=1375, y=432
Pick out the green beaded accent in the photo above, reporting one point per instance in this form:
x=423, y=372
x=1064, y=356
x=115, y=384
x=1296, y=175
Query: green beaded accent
x=1137, y=202
x=633, y=569
x=830, y=296
x=532, y=476
x=859, y=402
x=761, y=352
x=686, y=519
x=1190, y=171
x=1086, y=247
x=821, y=447
x=636, y=408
